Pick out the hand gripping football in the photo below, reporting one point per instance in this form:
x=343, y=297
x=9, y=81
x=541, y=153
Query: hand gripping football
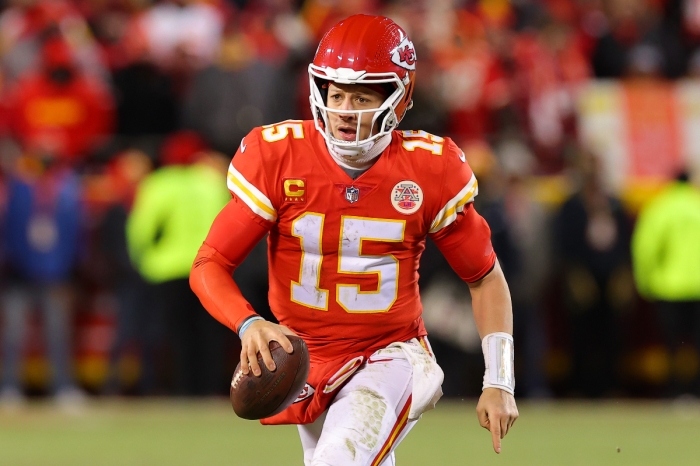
x=274, y=391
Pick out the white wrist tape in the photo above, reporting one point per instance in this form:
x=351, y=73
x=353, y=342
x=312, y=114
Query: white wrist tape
x=498, y=357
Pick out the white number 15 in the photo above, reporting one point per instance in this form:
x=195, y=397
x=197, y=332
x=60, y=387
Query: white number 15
x=353, y=232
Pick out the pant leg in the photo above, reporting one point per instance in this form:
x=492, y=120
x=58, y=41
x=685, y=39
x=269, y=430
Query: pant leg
x=57, y=313
x=16, y=307
x=309, y=435
x=367, y=419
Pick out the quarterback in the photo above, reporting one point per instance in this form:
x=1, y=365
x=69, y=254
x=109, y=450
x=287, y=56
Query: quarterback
x=348, y=202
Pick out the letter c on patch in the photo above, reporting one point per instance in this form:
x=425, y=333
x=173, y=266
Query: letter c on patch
x=293, y=188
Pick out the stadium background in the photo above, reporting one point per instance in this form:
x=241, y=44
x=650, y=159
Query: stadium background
x=552, y=101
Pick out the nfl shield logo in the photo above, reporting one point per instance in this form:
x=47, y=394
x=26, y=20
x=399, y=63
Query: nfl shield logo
x=352, y=194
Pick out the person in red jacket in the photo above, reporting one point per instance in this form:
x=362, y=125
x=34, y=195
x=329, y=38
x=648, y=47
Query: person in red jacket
x=60, y=110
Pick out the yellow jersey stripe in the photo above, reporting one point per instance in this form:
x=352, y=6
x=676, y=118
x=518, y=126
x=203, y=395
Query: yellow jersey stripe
x=450, y=213
x=461, y=203
x=251, y=195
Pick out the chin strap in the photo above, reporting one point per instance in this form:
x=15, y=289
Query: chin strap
x=361, y=156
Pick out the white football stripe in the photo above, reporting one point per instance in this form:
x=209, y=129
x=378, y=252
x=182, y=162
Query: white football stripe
x=252, y=196
x=454, y=206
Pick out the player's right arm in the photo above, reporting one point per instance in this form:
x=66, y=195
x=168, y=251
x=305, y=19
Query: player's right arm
x=231, y=238
x=241, y=224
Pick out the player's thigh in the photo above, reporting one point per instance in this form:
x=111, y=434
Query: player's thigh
x=369, y=416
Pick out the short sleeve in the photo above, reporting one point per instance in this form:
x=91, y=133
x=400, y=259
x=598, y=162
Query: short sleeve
x=459, y=188
x=466, y=244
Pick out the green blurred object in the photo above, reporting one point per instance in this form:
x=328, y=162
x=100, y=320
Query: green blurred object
x=188, y=432
x=666, y=245
x=173, y=211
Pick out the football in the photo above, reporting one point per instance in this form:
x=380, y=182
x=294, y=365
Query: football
x=274, y=391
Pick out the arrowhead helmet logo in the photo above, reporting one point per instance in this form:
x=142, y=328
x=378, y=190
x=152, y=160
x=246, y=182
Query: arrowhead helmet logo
x=405, y=55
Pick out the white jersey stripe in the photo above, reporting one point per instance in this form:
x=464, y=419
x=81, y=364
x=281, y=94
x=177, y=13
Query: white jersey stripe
x=448, y=214
x=251, y=195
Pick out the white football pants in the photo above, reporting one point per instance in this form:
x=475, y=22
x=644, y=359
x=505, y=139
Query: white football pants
x=368, y=417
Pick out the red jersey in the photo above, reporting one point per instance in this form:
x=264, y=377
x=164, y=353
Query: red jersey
x=343, y=254
x=70, y=120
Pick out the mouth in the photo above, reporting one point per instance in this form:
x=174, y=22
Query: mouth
x=346, y=133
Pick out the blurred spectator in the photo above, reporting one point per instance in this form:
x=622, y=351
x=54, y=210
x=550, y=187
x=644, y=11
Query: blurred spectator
x=181, y=36
x=471, y=79
x=666, y=253
x=42, y=227
x=60, y=110
x=321, y=15
x=591, y=239
x=137, y=334
x=227, y=101
x=182, y=30
x=549, y=67
x=173, y=210
x=529, y=224
x=638, y=34
x=26, y=24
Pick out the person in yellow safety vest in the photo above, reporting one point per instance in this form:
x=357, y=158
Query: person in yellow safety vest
x=666, y=260
x=172, y=212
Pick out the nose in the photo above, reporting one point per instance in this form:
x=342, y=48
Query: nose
x=347, y=106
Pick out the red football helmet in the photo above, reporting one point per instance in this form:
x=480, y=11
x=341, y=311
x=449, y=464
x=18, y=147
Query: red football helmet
x=366, y=50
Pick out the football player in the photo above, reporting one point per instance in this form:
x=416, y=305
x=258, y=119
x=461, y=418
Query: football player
x=348, y=202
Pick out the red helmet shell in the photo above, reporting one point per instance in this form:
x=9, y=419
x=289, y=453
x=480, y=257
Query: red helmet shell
x=373, y=44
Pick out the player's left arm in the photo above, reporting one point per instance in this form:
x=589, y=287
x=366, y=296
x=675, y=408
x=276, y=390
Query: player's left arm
x=466, y=244
x=493, y=314
x=464, y=238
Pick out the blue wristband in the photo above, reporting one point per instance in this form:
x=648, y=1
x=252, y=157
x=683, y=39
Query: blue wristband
x=246, y=324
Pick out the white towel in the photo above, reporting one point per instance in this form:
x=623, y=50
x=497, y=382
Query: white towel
x=427, y=378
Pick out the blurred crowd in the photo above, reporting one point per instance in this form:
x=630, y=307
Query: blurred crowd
x=118, y=119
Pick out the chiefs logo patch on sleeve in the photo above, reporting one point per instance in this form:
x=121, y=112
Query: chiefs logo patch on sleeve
x=405, y=55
